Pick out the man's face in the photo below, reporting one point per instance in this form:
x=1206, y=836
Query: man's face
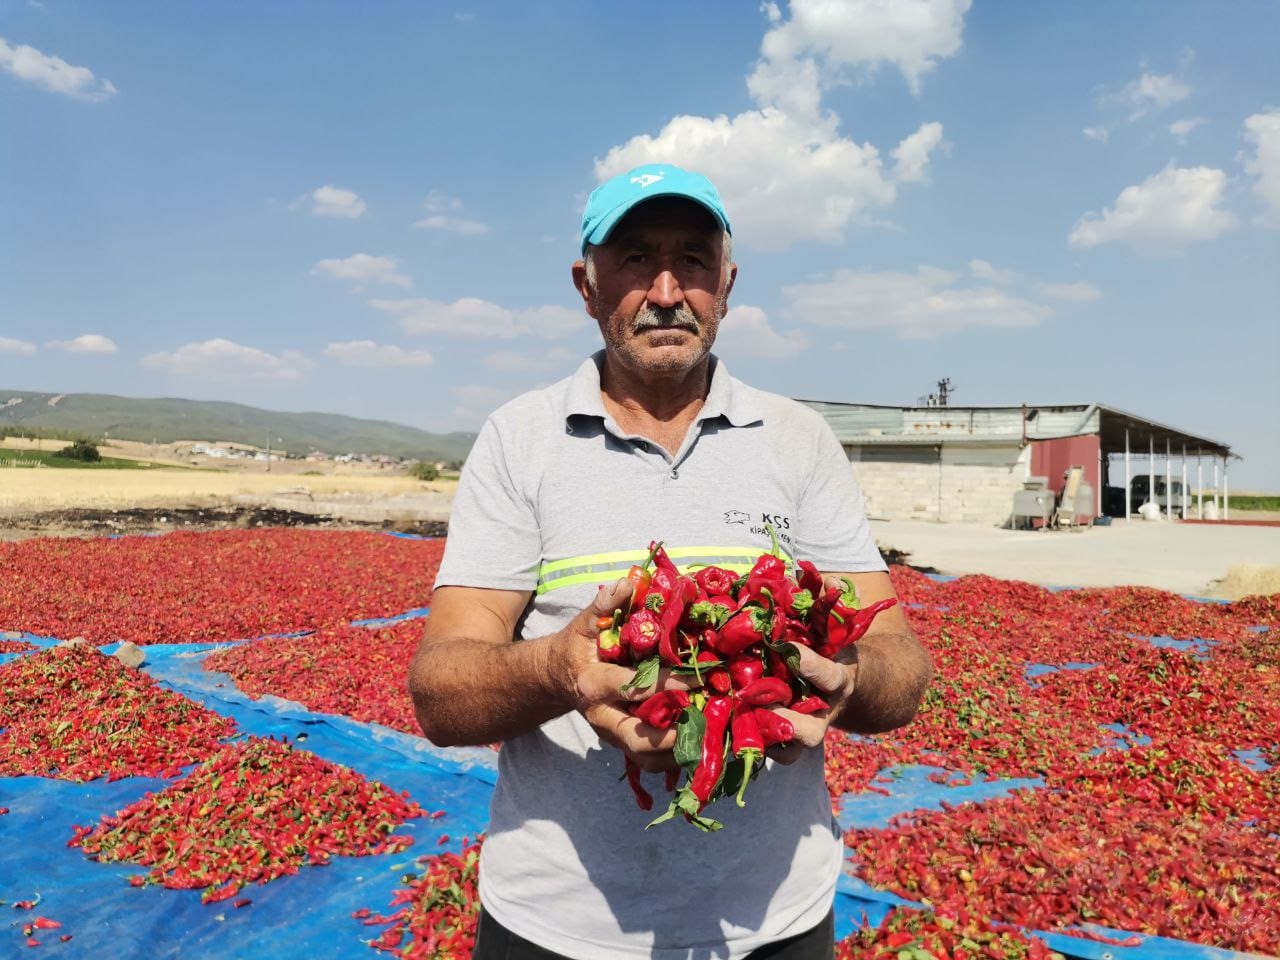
x=661, y=287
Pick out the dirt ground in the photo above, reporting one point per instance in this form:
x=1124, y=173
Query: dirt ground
x=1199, y=559
x=52, y=502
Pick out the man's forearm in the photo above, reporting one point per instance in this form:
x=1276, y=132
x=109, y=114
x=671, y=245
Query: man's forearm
x=893, y=672
x=467, y=692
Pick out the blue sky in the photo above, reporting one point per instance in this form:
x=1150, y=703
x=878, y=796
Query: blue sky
x=371, y=209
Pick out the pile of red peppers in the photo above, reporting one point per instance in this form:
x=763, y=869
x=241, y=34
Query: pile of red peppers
x=72, y=713
x=736, y=637
x=257, y=810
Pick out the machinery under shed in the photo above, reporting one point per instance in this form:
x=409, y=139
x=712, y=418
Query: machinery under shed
x=1006, y=465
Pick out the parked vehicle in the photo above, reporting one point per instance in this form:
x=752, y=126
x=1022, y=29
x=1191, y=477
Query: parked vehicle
x=1168, y=494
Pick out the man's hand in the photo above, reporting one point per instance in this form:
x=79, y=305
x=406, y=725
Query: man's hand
x=599, y=687
x=874, y=686
x=836, y=683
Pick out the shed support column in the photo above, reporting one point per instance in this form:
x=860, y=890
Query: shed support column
x=1184, y=481
x=1199, y=486
x=1226, y=492
x=1215, y=488
x=1127, y=480
x=1151, y=473
x=1097, y=497
x=1168, y=478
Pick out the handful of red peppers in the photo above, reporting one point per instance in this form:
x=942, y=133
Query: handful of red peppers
x=736, y=636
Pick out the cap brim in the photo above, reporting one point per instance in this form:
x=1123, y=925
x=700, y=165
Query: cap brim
x=603, y=229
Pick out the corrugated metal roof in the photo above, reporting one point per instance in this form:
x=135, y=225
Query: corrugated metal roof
x=866, y=423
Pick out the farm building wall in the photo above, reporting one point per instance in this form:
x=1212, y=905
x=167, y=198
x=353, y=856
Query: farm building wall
x=954, y=483
x=1052, y=458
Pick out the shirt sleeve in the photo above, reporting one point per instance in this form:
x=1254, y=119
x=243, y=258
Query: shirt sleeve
x=832, y=529
x=493, y=540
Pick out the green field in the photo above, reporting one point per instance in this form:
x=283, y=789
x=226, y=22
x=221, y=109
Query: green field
x=31, y=458
x=1255, y=501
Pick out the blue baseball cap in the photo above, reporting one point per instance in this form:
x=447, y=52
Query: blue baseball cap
x=614, y=199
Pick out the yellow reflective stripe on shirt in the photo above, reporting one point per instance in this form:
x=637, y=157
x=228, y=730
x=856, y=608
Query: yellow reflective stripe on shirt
x=605, y=567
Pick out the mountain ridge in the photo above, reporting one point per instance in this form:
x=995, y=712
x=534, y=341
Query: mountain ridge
x=170, y=419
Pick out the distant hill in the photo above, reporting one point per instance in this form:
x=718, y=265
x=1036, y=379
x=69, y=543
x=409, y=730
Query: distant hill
x=165, y=420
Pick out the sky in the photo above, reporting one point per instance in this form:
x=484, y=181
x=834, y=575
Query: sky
x=372, y=209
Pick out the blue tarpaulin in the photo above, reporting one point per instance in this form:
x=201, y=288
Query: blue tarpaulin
x=309, y=916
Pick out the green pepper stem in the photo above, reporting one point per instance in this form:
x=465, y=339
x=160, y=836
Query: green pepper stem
x=749, y=757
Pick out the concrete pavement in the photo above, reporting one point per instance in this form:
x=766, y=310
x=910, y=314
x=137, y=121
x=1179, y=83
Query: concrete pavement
x=1186, y=558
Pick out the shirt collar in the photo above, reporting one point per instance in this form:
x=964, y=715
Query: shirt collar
x=726, y=398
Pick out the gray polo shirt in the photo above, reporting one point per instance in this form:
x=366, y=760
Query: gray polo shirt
x=555, y=499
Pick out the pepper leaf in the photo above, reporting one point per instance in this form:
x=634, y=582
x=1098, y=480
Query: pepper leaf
x=672, y=810
x=646, y=675
x=690, y=729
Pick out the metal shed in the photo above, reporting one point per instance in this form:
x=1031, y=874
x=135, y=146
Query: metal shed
x=952, y=463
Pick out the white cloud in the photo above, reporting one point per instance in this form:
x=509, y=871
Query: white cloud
x=911, y=156
x=1263, y=131
x=983, y=270
x=1078, y=292
x=1181, y=129
x=1153, y=92
x=552, y=321
x=366, y=353
x=917, y=305
x=782, y=180
x=473, y=317
x=330, y=201
x=19, y=347
x=88, y=343
x=1101, y=134
x=513, y=361
x=53, y=73
x=362, y=268
x=442, y=215
x=745, y=331
x=225, y=360
x=825, y=39
x=467, y=317
x=1167, y=211
x=785, y=171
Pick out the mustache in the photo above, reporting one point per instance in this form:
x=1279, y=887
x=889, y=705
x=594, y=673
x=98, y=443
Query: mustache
x=652, y=318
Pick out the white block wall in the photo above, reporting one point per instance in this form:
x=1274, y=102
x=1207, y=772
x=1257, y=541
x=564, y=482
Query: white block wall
x=969, y=484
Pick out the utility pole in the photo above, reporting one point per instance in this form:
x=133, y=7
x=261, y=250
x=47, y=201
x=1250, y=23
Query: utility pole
x=268, y=451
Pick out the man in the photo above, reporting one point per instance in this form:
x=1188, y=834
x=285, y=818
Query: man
x=565, y=487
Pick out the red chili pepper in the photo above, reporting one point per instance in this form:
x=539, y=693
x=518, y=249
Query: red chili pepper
x=768, y=567
x=714, y=581
x=748, y=746
x=774, y=728
x=661, y=709
x=810, y=704
x=854, y=626
x=744, y=629
x=718, y=680
x=662, y=562
x=711, y=766
x=644, y=799
x=640, y=577
x=44, y=923
x=640, y=634
x=765, y=692
x=778, y=666
x=744, y=668
x=609, y=646
x=810, y=579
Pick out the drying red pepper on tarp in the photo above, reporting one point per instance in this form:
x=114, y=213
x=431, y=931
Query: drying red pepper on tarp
x=734, y=637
